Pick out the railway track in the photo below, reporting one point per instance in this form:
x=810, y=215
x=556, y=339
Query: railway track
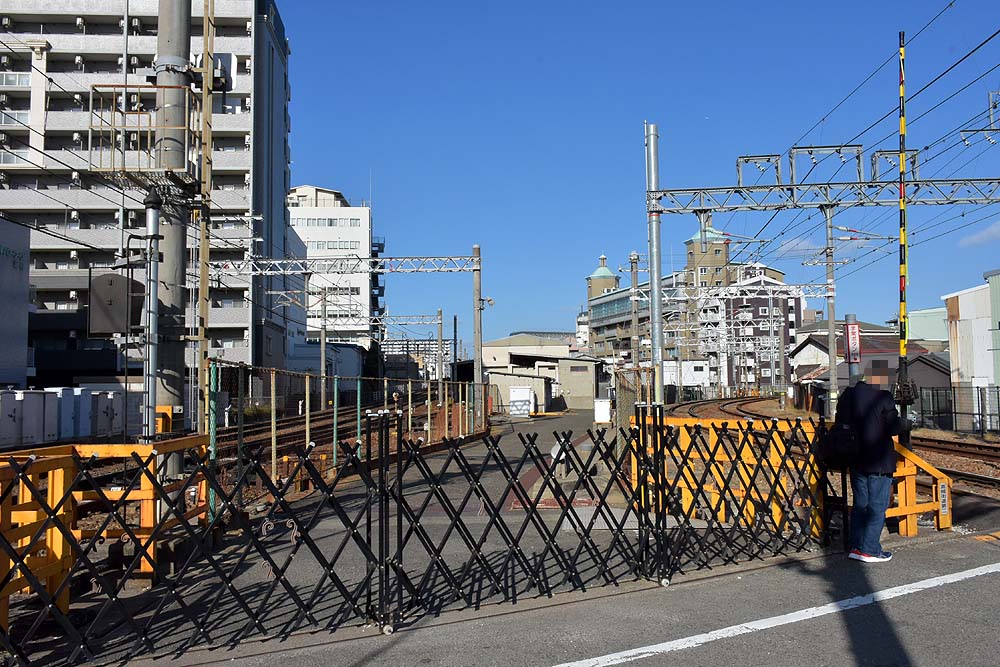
x=980, y=451
x=736, y=407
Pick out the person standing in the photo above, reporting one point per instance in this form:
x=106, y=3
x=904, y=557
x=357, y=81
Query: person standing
x=871, y=413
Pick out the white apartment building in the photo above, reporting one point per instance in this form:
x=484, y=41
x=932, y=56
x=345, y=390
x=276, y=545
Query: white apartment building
x=52, y=55
x=331, y=227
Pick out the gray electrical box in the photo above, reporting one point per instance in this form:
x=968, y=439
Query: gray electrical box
x=115, y=304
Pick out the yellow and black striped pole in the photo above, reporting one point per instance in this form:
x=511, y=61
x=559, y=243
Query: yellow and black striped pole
x=902, y=394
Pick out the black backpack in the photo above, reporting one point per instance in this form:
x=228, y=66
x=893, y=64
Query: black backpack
x=837, y=447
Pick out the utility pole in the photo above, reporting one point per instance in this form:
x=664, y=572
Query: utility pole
x=454, y=348
x=204, y=305
x=440, y=355
x=633, y=261
x=477, y=334
x=655, y=286
x=831, y=325
x=904, y=390
x=172, y=67
x=322, y=350
x=153, y=204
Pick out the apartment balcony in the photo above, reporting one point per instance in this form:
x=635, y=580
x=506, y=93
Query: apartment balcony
x=378, y=245
x=231, y=122
x=144, y=9
x=59, y=279
x=237, y=201
x=223, y=317
x=242, y=84
x=108, y=237
x=15, y=80
x=92, y=199
x=76, y=121
x=231, y=161
x=83, y=44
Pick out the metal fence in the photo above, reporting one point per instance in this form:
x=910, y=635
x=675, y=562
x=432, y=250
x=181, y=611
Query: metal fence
x=962, y=408
x=102, y=557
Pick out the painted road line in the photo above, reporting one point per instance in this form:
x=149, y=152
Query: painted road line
x=784, y=619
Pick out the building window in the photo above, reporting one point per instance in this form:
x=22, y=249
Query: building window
x=577, y=369
x=718, y=251
x=704, y=283
x=355, y=222
x=703, y=271
x=718, y=283
x=762, y=310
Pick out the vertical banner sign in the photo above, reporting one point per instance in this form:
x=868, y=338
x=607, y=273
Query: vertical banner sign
x=853, y=338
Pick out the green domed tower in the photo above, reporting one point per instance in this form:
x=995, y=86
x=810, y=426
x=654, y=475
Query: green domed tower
x=602, y=280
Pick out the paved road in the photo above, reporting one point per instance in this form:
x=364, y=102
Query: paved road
x=931, y=607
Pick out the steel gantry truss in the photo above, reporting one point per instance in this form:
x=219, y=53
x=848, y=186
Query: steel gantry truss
x=264, y=266
x=781, y=196
x=723, y=292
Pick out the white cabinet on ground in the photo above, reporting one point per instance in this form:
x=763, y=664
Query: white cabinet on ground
x=32, y=405
x=10, y=420
x=522, y=401
x=83, y=407
x=67, y=412
x=50, y=417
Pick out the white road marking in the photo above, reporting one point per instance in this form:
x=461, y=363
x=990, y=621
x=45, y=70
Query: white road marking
x=784, y=619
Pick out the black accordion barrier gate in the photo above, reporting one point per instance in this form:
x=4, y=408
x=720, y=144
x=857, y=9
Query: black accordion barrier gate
x=394, y=532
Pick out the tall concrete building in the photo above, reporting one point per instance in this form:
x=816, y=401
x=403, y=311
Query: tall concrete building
x=53, y=55
x=331, y=227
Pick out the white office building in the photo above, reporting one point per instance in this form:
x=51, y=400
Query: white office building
x=53, y=55
x=331, y=227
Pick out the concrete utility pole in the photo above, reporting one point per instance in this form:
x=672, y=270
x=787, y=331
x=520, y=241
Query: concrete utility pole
x=477, y=334
x=633, y=263
x=655, y=286
x=454, y=348
x=440, y=354
x=151, y=362
x=173, y=48
x=831, y=310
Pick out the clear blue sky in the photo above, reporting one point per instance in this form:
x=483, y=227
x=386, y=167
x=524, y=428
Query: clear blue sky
x=519, y=126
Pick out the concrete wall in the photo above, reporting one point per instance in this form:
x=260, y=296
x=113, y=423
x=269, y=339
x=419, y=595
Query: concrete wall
x=504, y=381
x=577, y=383
x=929, y=324
x=13, y=304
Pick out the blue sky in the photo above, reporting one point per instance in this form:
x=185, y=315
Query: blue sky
x=519, y=126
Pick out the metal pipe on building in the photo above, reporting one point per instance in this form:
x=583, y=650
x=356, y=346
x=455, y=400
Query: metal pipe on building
x=440, y=353
x=153, y=203
x=655, y=284
x=477, y=333
x=172, y=67
x=633, y=261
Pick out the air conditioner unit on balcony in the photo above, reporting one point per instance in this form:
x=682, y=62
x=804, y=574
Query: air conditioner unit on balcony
x=136, y=25
x=133, y=61
x=3, y=138
x=249, y=27
x=77, y=137
x=79, y=62
x=73, y=295
x=78, y=99
x=80, y=23
x=5, y=61
x=73, y=254
x=4, y=100
x=134, y=99
x=247, y=66
x=246, y=140
x=132, y=216
x=5, y=22
x=74, y=176
x=246, y=179
x=74, y=215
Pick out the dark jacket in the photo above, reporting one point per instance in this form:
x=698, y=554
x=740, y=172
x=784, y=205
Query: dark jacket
x=872, y=414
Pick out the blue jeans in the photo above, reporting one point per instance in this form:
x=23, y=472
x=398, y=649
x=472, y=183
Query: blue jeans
x=871, y=500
